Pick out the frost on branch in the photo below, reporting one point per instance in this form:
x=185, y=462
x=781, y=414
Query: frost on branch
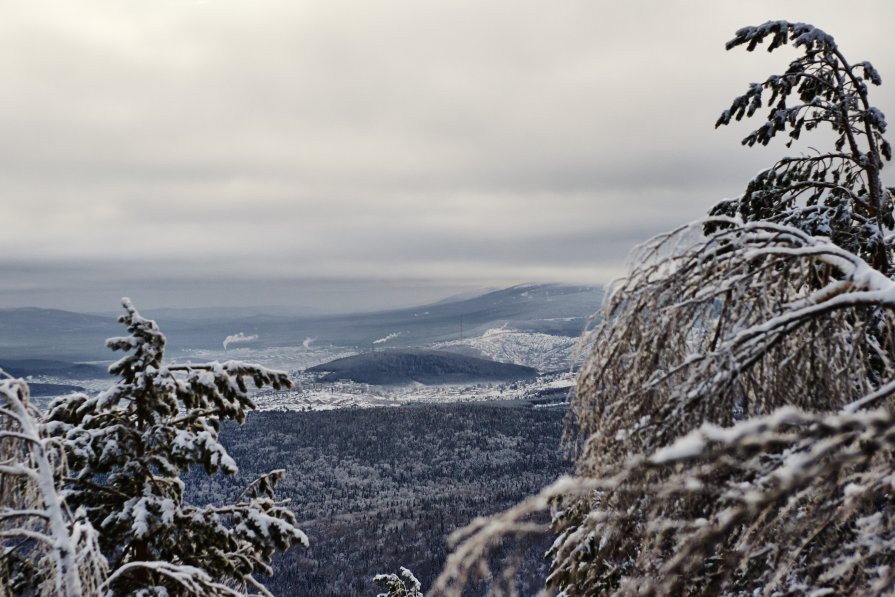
x=732, y=424
x=127, y=447
x=44, y=549
x=835, y=193
x=752, y=318
x=790, y=503
x=773, y=340
x=405, y=585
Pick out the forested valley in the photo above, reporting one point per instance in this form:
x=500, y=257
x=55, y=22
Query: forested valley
x=375, y=489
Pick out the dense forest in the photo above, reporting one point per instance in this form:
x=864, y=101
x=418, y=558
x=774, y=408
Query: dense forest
x=375, y=489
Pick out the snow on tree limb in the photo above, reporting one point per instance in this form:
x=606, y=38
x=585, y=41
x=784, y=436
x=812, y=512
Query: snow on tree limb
x=128, y=446
x=403, y=585
x=735, y=323
x=721, y=418
x=186, y=580
x=472, y=543
x=836, y=193
x=45, y=549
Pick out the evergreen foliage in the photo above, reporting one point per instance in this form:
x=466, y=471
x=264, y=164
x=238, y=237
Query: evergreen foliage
x=836, y=193
x=405, y=585
x=127, y=447
x=380, y=488
x=733, y=421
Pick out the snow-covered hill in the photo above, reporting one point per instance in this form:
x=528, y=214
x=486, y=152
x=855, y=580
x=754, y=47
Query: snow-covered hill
x=544, y=352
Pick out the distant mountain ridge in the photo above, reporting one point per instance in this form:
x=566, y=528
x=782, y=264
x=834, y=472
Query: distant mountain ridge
x=554, y=309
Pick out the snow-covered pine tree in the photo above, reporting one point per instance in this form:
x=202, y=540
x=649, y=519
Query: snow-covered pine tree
x=731, y=435
x=44, y=549
x=733, y=420
x=836, y=193
x=757, y=337
x=127, y=447
x=405, y=585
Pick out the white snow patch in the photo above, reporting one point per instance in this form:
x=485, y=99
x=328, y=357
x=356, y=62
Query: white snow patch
x=544, y=352
x=690, y=445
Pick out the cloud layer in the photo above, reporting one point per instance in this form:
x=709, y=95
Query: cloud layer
x=492, y=141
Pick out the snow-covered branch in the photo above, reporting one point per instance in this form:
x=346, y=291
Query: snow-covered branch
x=403, y=585
x=846, y=182
x=128, y=446
x=722, y=427
x=46, y=550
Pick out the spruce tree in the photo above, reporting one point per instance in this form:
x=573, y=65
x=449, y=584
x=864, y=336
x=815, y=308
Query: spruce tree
x=127, y=447
x=734, y=419
x=835, y=192
x=405, y=585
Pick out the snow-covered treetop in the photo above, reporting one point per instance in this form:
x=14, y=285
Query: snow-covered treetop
x=405, y=585
x=129, y=444
x=801, y=34
x=145, y=340
x=837, y=192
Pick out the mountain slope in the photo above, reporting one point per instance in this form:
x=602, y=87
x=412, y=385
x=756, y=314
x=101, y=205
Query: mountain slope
x=62, y=369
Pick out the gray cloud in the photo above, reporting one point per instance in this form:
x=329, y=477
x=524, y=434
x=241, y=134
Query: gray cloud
x=490, y=142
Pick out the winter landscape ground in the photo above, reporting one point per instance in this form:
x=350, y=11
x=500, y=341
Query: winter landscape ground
x=378, y=474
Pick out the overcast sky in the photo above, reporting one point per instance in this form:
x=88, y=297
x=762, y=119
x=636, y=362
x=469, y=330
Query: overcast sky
x=220, y=152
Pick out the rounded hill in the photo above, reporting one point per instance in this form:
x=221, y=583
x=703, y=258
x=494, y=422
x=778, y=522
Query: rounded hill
x=430, y=367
